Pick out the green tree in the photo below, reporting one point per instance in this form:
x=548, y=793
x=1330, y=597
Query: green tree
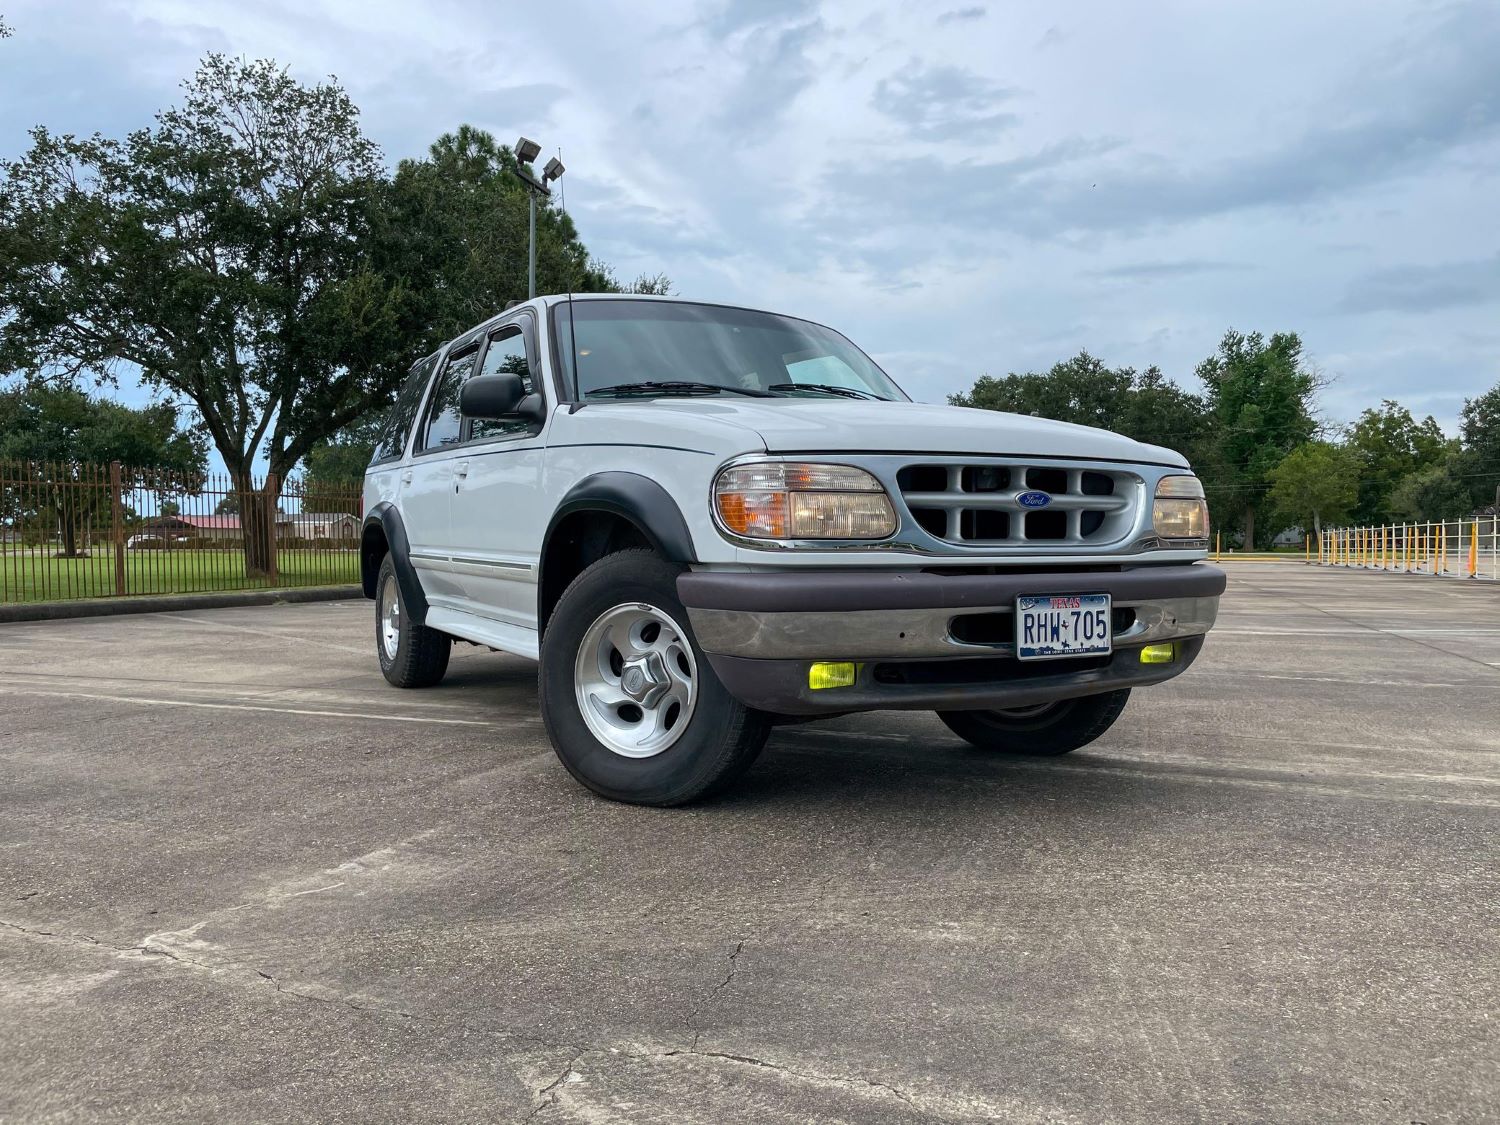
x=1439, y=492
x=1315, y=482
x=457, y=231
x=60, y=439
x=1143, y=405
x=232, y=253
x=1479, y=431
x=334, y=470
x=1081, y=390
x=1260, y=400
x=1389, y=446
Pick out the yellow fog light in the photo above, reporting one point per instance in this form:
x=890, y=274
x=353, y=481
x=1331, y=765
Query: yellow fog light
x=1159, y=654
x=826, y=675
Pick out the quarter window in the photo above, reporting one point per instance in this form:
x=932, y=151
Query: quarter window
x=398, y=422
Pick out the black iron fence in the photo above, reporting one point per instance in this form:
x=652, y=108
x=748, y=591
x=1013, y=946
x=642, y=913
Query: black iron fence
x=72, y=530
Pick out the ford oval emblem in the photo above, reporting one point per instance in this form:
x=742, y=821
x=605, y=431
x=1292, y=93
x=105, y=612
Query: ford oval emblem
x=1033, y=499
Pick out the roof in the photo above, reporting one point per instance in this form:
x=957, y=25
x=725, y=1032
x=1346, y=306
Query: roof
x=220, y=522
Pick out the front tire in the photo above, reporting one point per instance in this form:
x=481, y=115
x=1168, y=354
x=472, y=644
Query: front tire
x=411, y=655
x=631, y=704
x=1045, y=731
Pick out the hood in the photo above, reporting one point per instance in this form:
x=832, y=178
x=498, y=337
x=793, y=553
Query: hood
x=836, y=425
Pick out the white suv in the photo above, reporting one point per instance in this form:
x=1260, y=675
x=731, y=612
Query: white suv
x=703, y=521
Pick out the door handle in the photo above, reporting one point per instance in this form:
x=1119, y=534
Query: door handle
x=406, y=476
x=461, y=470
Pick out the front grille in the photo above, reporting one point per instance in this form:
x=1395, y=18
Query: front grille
x=979, y=504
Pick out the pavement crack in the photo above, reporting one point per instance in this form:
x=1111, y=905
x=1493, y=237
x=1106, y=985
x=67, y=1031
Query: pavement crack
x=238, y=973
x=56, y=935
x=694, y=1016
x=549, y=1091
x=855, y=1080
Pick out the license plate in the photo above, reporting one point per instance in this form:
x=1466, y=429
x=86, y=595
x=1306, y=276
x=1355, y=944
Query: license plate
x=1072, y=625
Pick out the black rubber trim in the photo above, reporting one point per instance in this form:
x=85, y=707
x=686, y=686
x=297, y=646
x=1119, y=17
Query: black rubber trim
x=640, y=500
x=780, y=686
x=847, y=590
x=389, y=521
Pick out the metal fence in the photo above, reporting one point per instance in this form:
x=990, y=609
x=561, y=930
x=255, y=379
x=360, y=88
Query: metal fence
x=1468, y=548
x=71, y=530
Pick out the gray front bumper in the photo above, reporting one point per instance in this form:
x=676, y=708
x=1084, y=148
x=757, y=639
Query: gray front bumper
x=760, y=629
x=910, y=615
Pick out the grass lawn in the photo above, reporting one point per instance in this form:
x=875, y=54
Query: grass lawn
x=35, y=575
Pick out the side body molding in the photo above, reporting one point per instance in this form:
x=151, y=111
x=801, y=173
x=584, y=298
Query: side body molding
x=385, y=517
x=636, y=498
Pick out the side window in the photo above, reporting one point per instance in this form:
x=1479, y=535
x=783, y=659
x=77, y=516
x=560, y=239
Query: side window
x=398, y=422
x=444, y=423
x=505, y=355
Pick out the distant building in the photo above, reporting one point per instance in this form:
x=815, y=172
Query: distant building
x=209, y=527
x=325, y=525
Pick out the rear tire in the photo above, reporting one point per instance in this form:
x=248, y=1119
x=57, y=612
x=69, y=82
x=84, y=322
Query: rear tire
x=631, y=704
x=411, y=655
x=1053, y=729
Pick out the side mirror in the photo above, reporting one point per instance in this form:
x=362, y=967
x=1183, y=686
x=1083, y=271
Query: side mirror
x=491, y=396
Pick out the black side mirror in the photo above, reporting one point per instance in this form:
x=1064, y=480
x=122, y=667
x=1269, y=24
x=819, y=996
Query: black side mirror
x=491, y=396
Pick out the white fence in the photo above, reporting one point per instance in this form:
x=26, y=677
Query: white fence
x=1446, y=548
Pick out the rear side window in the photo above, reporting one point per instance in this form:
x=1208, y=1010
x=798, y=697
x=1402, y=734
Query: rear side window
x=392, y=441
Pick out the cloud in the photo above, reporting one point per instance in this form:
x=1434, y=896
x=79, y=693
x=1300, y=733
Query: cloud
x=944, y=102
x=962, y=15
x=1160, y=271
x=735, y=16
x=1421, y=289
x=774, y=68
x=959, y=189
x=1442, y=98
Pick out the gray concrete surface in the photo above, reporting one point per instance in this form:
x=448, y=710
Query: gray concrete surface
x=242, y=879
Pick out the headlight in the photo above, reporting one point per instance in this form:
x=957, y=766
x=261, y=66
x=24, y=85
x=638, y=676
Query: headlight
x=1180, y=511
x=776, y=500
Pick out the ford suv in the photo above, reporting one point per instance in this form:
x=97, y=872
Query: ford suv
x=703, y=521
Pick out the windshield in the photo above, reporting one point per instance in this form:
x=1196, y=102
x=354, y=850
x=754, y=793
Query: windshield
x=655, y=348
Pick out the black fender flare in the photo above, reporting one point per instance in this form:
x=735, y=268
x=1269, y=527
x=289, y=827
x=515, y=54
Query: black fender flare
x=636, y=498
x=385, y=516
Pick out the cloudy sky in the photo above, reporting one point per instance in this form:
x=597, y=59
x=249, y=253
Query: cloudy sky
x=961, y=187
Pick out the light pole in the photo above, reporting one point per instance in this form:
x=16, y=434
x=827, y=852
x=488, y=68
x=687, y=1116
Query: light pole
x=526, y=153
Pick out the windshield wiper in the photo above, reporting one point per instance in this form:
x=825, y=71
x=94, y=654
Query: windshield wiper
x=830, y=389
x=675, y=387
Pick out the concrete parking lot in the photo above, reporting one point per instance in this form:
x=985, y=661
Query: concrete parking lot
x=243, y=879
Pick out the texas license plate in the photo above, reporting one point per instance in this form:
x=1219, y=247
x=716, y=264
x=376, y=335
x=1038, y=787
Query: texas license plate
x=1072, y=625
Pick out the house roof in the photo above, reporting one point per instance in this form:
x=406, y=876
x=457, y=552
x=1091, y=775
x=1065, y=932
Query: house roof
x=223, y=522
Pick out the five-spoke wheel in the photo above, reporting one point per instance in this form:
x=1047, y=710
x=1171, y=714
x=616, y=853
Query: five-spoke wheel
x=636, y=680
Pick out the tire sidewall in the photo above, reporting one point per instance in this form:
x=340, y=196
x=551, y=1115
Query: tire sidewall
x=703, y=752
x=1078, y=722
x=387, y=662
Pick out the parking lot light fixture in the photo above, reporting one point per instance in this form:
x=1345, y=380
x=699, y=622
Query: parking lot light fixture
x=527, y=152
